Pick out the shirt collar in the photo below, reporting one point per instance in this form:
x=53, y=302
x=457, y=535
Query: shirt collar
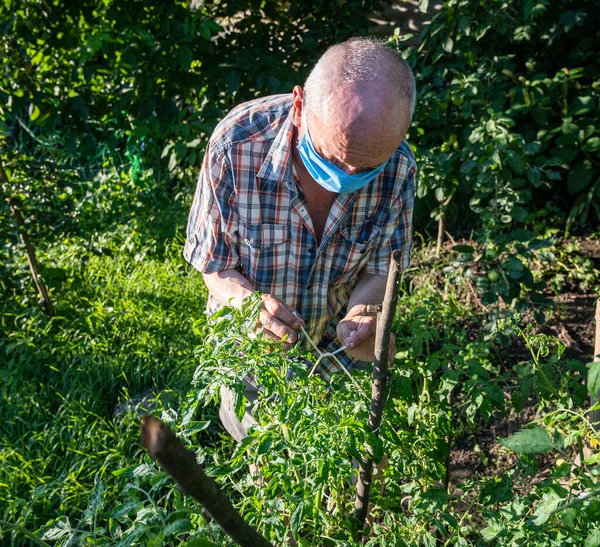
x=277, y=164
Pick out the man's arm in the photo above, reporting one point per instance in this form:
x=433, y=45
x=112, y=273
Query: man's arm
x=277, y=319
x=213, y=242
x=357, y=329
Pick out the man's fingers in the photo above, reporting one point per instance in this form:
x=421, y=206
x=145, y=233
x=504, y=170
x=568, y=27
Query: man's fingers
x=353, y=333
x=276, y=327
x=282, y=312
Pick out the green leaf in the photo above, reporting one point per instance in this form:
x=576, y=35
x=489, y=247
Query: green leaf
x=515, y=162
x=579, y=177
x=468, y=167
x=593, y=379
x=593, y=539
x=570, y=129
x=205, y=31
x=177, y=527
x=529, y=441
x=591, y=145
x=582, y=105
x=185, y=57
x=493, y=530
x=213, y=26
x=532, y=147
x=546, y=508
x=448, y=45
x=514, y=267
x=463, y=249
x=94, y=502
x=297, y=517
x=534, y=176
x=199, y=542
x=34, y=112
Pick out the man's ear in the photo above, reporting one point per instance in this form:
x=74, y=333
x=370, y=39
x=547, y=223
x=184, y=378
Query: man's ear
x=297, y=106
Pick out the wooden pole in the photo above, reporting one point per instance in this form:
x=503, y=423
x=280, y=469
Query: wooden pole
x=29, y=248
x=378, y=383
x=595, y=414
x=166, y=448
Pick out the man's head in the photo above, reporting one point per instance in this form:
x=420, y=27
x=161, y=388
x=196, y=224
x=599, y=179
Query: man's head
x=359, y=101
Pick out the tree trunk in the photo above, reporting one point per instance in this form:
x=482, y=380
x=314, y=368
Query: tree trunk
x=29, y=249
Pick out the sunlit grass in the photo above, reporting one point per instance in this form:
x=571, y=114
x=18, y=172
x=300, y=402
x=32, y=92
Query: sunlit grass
x=125, y=304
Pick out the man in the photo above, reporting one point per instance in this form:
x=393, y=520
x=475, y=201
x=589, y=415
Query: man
x=303, y=197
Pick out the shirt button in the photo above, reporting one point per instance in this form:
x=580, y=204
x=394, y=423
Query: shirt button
x=309, y=287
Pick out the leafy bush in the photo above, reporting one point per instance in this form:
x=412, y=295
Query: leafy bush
x=506, y=126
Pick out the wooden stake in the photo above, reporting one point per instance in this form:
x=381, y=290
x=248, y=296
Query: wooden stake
x=595, y=414
x=162, y=444
x=378, y=383
x=29, y=248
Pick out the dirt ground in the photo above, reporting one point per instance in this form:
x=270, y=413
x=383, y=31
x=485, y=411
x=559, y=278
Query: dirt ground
x=571, y=320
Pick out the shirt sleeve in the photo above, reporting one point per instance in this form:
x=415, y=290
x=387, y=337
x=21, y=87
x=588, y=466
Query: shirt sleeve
x=397, y=231
x=212, y=232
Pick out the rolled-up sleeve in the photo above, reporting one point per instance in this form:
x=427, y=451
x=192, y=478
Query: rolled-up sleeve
x=212, y=230
x=397, y=231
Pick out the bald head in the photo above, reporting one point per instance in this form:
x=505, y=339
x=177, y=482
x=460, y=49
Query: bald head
x=367, y=70
x=357, y=104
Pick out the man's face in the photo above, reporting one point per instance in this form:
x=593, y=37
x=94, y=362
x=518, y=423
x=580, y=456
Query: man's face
x=356, y=134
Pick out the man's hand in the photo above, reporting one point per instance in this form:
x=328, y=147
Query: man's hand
x=278, y=320
x=357, y=332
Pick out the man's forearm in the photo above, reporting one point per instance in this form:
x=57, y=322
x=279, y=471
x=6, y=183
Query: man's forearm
x=229, y=287
x=369, y=289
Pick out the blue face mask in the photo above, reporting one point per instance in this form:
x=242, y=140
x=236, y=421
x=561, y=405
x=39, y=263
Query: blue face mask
x=328, y=175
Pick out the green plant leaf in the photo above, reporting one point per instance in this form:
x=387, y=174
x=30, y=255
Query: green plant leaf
x=591, y=145
x=463, y=249
x=448, y=45
x=546, y=508
x=534, y=176
x=579, y=177
x=593, y=379
x=297, y=517
x=593, y=539
x=493, y=530
x=34, y=112
x=529, y=441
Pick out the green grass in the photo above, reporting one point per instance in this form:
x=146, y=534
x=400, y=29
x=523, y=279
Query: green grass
x=126, y=301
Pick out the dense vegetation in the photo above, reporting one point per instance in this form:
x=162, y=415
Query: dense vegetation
x=105, y=108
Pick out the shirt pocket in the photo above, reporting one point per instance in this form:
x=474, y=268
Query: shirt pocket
x=262, y=252
x=353, y=250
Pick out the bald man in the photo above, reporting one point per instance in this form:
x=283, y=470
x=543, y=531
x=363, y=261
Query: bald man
x=304, y=197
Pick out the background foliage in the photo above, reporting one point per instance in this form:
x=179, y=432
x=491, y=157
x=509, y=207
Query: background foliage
x=105, y=109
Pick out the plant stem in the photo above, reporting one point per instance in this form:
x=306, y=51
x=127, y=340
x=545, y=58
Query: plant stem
x=23, y=531
x=595, y=414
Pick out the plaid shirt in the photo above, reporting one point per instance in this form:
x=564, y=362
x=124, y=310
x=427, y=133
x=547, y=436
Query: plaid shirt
x=249, y=214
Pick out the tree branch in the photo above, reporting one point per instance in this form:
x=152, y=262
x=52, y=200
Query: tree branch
x=29, y=248
x=378, y=383
x=167, y=450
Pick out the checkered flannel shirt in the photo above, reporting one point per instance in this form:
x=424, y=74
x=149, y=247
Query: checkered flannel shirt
x=249, y=214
